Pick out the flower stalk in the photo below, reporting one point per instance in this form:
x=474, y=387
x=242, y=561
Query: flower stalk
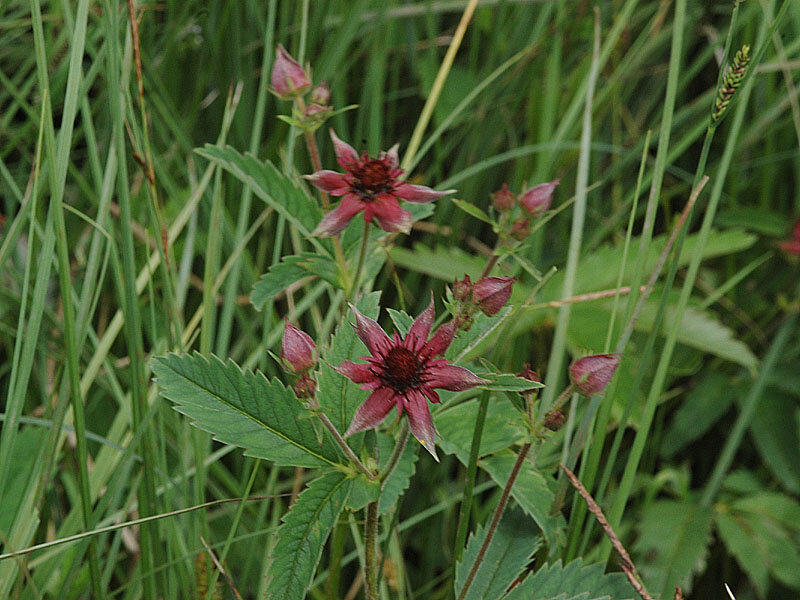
x=343, y=445
x=360, y=266
x=371, y=550
x=498, y=513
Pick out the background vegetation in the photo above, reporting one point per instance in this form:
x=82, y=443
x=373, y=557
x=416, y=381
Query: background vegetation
x=694, y=453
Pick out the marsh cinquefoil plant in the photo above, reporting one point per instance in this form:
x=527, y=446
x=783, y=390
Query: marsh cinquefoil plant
x=333, y=416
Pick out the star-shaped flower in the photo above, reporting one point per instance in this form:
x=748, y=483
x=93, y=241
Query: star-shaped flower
x=403, y=372
x=371, y=184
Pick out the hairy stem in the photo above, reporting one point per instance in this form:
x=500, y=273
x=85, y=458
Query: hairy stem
x=361, y=255
x=371, y=550
x=343, y=445
x=402, y=438
x=498, y=513
x=469, y=484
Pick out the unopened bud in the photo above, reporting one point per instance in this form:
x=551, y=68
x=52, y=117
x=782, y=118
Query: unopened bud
x=297, y=349
x=554, y=420
x=503, y=199
x=305, y=387
x=492, y=293
x=590, y=375
x=288, y=78
x=320, y=94
x=462, y=289
x=520, y=229
x=537, y=199
x=530, y=375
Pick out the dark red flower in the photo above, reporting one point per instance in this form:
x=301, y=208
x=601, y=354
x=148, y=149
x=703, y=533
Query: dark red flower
x=371, y=184
x=403, y=372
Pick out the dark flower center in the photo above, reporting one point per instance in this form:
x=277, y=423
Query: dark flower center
x=373, y=177
x=401, y=369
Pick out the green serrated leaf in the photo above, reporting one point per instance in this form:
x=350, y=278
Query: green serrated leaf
x=290, y=270
x=456, y=425
x=672, y=545
x=702, y=408
x=505, y=382
x=531, y=491
x=777, y=437
x=273, y=187
x=302, y=536
x=244, y=409
x=760, y=543
x=402, y=321
x=365, y=491
x=362, y=492
x=468, y=341
x=738, y=540
x=473, y=210
x=514, y=543
x=573, y=582
x=338, y=396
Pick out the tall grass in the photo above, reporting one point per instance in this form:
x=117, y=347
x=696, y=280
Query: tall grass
x=103, y=267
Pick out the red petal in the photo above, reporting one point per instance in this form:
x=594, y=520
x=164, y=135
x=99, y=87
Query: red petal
x=369, y=332
x=418, y=194
x=373, y=411
x=441, y=340
x=419, y=419
x=336, y=220
x=346, y=155
x=331, y=182
x=451, y=377
x=392, y=156
x=389, y=215
x=355, y=372
x=421, y=327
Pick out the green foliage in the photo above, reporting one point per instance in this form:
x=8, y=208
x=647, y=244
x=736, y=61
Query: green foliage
x=472, y=210
x=776, y=434
x=243, y=408
x=456, y=424
x=762, y=530
x=400, y=479
x=302, y=536
x=291, y=270
x=701, y=409
x=573, y=582
x=272, y=186
x=533, y=491
x=468, y=342
x=512, y=547
x=672, y=546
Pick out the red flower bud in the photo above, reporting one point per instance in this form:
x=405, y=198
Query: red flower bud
x=462, y=289
x=503, y=199
x=530, y=375
x=590, y=375
x=305, y=387
x=537, y=199
x=288, y=78
x=320, y=94
x=297, y=349
x=554, y=420
x=520, y=229
x=492, y=293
